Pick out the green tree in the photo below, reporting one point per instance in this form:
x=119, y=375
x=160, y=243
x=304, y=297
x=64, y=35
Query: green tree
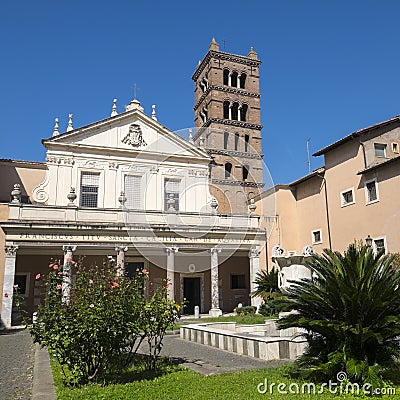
x=350, y=312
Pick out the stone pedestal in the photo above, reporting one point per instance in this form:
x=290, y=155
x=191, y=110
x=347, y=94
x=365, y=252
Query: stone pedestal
x=292, y=267
x=215, y=310
x=8, y=285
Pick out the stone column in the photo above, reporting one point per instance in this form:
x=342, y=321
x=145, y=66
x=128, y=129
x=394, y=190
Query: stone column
x=215, y=310
x=8, y=285
x=254, y=256
x=171, y=271
x=67, y=272
x=230, y=111
x=121, y=250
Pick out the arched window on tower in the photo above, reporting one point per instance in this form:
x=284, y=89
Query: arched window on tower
x=245, y=171
x=235, y=111
x=243, y=112
x=226, y=77
x=226, y=109
x=242, y=80
x=234, y=79
x=228, y=170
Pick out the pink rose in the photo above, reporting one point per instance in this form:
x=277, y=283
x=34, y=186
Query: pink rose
x=55, y=267
x=90, y=281
x=92, y=305
x=68, y=260
x=59, y=287
x=37, y=276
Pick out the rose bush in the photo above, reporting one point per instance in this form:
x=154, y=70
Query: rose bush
x=100, y=328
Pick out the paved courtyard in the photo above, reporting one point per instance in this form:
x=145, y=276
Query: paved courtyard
x=16, y=365
x=209, y=360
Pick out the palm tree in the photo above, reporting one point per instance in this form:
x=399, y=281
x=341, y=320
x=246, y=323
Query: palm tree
x=350, y=312
x=267, y=284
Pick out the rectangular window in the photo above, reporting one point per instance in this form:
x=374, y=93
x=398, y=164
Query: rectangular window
x=89, y=189
x=316, y=237
x=238, y=281
x=171, y=194
x=347, y=197
x=395, y=148
x=380, y=150
x=236, y=141
x=226, y=136
x=371, y=192
x=380, y=246
x=133, y=192
x=21, y=280
x=246, y=143
x=245, y=172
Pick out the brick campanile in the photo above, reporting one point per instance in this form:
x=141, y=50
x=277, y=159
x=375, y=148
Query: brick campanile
x=227, y=122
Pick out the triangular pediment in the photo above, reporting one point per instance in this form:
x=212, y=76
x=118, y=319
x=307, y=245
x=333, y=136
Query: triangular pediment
x=131, y=132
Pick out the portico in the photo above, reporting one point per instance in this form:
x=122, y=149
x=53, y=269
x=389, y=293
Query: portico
x=165, y=252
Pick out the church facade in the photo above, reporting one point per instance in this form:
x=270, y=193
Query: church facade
x=129, y=188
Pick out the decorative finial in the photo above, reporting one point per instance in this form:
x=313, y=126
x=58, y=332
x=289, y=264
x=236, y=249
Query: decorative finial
x=70, y=127
x=153, y=112
x=71, y=197
x=252, y=54
x=16, y=194
x=214, y=204
x=214, y=45
x=191, y=136
x=122, y=199
x=114, y=111
x=201, y=141
x=56, y=132
x=252, y=206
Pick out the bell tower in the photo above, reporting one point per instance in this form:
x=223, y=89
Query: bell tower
x=227, y=122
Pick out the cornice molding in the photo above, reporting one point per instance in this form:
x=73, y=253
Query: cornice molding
x=224, y=89
x=237, y=183
x=235, y=153
x=240, y=124
x=226, y=57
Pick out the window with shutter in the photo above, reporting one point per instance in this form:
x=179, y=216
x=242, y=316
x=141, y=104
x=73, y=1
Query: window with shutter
x=133, y=192
x=89, y=190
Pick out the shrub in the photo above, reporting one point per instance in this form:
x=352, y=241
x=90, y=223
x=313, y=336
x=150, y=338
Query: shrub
x=245, y=310
x=273, y=307
x=104, y=322
x=351, y=313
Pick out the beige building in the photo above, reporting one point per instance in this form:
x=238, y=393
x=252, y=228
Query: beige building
x=353, y=196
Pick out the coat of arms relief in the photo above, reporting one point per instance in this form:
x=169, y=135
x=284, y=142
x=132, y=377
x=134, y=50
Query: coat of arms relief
x=134, y=137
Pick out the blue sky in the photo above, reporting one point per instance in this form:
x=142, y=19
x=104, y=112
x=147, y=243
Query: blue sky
x=329, y=67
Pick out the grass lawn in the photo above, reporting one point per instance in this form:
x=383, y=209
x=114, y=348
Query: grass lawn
x=177, y=383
